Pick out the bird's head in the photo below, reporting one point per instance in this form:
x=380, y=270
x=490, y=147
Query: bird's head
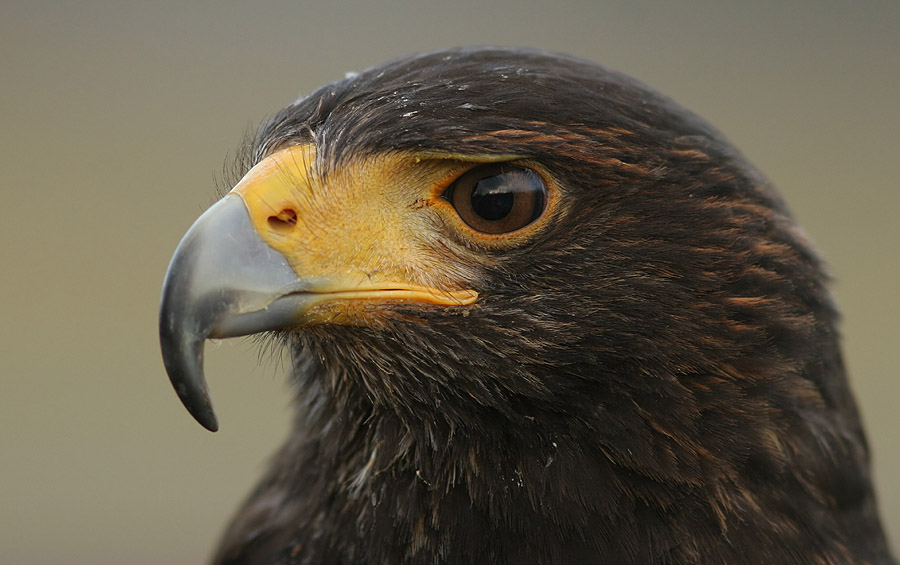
x=484, y=235
x=527, y=294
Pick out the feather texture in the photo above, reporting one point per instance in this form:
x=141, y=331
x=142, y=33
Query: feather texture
x=655, y=377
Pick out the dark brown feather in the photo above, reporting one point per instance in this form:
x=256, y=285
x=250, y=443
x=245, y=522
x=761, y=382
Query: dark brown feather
x=654, y=378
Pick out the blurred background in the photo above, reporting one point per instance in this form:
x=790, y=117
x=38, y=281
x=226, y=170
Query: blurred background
x=118, y=116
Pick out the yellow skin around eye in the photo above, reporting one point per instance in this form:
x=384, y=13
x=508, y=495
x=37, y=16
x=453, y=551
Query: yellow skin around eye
x=366, y=232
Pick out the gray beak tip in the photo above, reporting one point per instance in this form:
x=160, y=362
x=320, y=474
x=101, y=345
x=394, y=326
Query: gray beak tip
x=199, y=407
x=184, y=364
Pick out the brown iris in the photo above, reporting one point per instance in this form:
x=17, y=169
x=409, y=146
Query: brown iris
x=498, y=197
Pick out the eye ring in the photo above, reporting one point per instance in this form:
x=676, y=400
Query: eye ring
x=498, y=198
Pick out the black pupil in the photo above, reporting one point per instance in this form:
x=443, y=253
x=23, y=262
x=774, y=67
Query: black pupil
x=493, y=198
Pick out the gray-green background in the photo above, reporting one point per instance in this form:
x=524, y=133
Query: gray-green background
x=117, y=116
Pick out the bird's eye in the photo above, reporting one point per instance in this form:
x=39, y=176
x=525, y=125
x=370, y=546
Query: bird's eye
x=498, y=197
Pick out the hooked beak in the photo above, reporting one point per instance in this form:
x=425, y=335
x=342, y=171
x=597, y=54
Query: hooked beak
x=223, y=281
x=231, y=277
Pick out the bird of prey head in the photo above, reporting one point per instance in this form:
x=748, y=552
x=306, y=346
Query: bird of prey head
x=538, y=313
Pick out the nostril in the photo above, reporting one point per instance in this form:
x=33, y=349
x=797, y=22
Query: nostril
x=284, y=220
